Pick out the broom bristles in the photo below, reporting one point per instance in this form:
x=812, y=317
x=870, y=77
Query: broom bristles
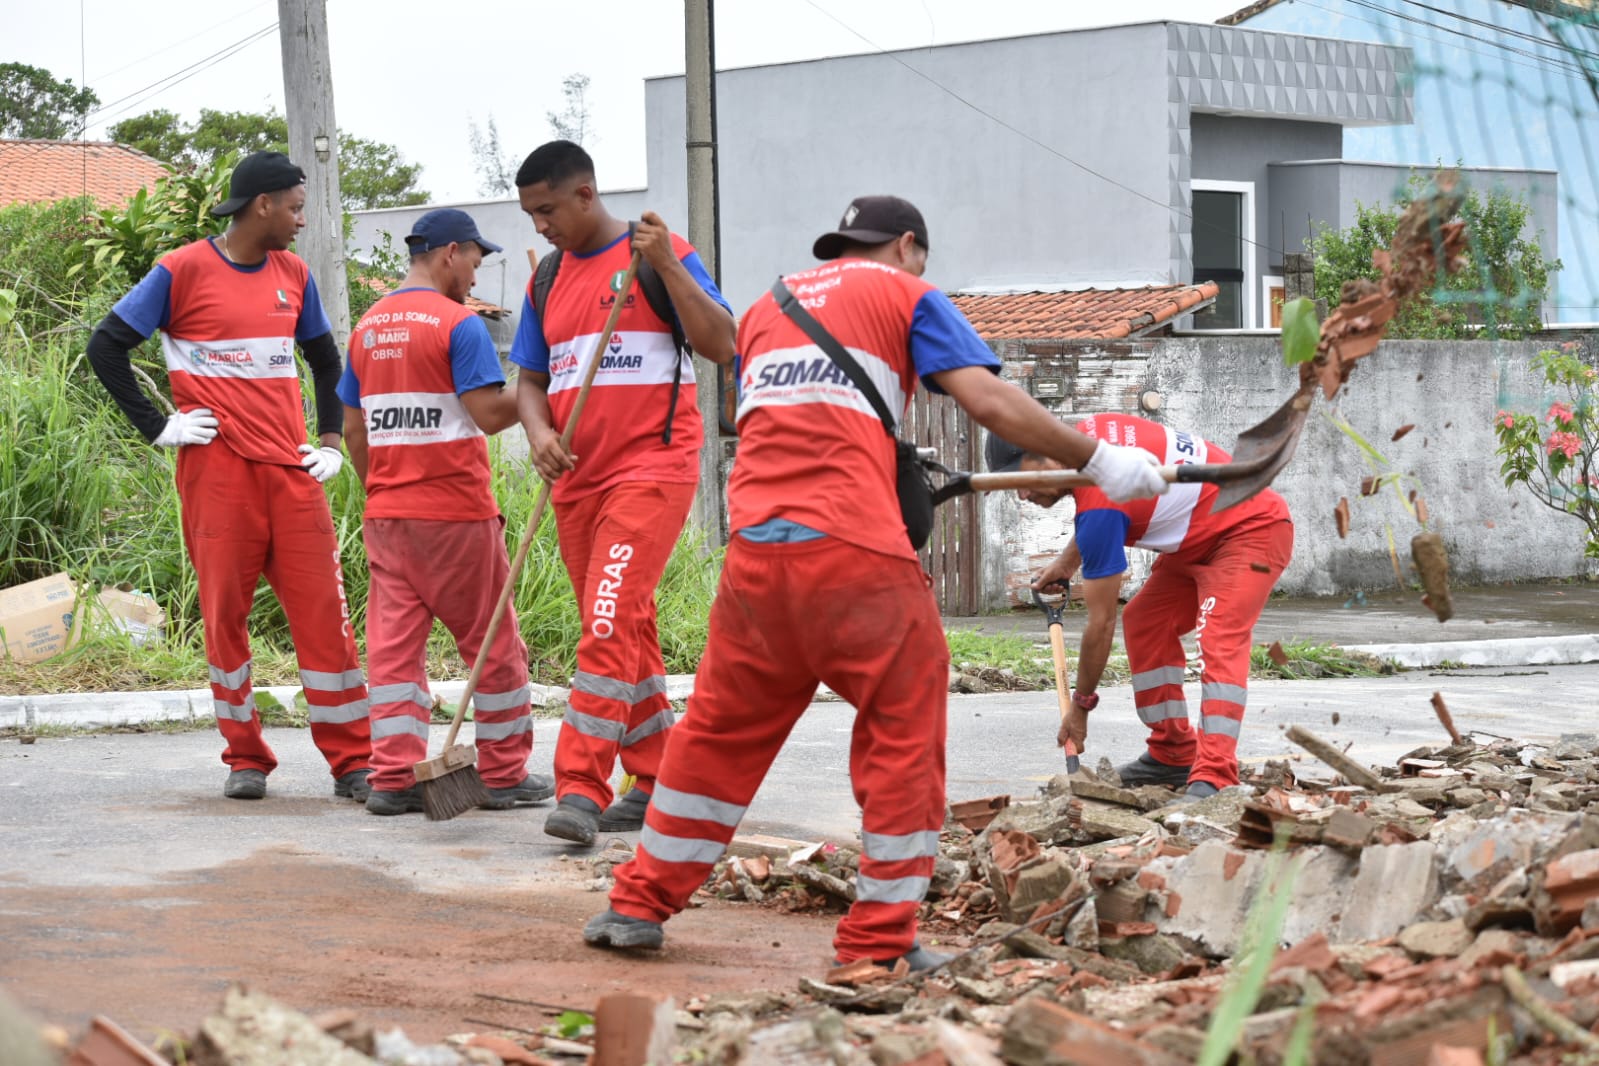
x=453, y=793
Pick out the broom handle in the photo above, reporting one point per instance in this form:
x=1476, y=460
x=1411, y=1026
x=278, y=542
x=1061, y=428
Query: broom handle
x=539, y=504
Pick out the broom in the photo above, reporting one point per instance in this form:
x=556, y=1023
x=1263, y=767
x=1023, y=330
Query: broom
x=450, y=781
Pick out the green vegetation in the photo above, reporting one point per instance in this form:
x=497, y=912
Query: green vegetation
x=1557, y=456
x=1308, y=660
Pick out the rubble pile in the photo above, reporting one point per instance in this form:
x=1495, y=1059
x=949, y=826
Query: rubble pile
x=1442, y=911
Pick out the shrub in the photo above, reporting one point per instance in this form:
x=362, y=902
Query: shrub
x=1554, y=453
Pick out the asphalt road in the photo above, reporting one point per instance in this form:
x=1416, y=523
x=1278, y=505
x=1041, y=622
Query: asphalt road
x=129, y=809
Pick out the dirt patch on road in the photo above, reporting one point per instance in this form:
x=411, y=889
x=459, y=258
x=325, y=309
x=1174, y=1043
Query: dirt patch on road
x=318, y=935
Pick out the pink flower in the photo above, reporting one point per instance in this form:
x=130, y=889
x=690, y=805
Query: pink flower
x=1569, y=443
x=1558, y=412
x=1507, y=419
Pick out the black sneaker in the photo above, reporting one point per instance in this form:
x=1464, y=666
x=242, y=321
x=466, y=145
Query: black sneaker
x=626, y=814
x=917, y=958
x=1195, y=792
x=612, y=930
x=245, y=785
x=534, y=788
x=394, y=801
x=575, y=818
x=353, y=785
x=1147, y=770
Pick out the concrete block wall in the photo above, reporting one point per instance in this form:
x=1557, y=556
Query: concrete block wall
x=1219, y=385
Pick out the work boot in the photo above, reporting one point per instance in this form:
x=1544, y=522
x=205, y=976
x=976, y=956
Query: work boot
x=534, y=788
x=612, y=930
x=1147, y=770
x=626, y=814
x=917, y=958
x=394, y=801
x=1196, y=791
x=353, y=785
x=575, y=818
x=245, y=785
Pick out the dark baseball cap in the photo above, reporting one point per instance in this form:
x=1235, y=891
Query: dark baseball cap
x=257, y=173
x=1002, y=455
x=445, y=226
x=872, y=220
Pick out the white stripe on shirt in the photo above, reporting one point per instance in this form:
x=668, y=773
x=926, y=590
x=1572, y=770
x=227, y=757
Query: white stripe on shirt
x=245, y=357
x=416, y=418
x=787, y=377
x=633, y=357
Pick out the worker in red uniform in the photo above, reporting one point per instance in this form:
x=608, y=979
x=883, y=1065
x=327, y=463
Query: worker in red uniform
x=623, y=490
x=1213, y=576
x=230, y=310
x=422, y=387
x=820, y=583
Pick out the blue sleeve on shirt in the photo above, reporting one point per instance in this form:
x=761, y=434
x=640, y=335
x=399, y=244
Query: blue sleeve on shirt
x=313, y=320
x=349, y=389
x=473, y=361
x=942, y=339
x=1102, y=541
x=529, y=350
x=703, y=276
x=147, y=306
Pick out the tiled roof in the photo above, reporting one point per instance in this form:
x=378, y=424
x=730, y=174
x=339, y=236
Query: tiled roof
x=38, y=172
x=384, y=286
x=1102, y=314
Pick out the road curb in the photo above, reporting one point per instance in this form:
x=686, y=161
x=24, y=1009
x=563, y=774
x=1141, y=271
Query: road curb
x=1508, y=651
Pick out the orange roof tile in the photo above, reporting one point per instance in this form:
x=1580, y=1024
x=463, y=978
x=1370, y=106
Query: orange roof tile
x=39, y=172
x=384, y=286
x=1096, y=314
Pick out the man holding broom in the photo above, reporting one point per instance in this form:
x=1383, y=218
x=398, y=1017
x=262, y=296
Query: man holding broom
x=622, y=490
x=422, y=387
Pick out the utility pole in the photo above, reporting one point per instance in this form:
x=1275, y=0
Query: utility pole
x=314, y=145
x=704, y=233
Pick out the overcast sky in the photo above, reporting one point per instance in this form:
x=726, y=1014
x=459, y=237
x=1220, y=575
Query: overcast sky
x=416, y=75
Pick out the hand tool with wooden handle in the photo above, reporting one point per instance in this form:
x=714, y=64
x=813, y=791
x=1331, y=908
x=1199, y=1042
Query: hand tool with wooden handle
x=1057, y=648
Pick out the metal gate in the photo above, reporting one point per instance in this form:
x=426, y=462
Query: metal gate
x=953, y=555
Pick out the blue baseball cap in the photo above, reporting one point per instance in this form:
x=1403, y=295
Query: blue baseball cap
x=444, y=226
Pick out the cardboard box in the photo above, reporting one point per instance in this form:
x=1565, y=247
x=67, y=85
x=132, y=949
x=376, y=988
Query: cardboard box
x=38, y=619
x=134, y=613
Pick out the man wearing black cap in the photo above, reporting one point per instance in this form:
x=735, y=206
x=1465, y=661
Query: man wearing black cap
x=1213, y=576
x=230, y=310
x=422, y=387
x=821, y=584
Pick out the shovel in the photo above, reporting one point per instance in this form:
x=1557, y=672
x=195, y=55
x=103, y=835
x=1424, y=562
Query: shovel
x=1057, y=648
x=1240, y=479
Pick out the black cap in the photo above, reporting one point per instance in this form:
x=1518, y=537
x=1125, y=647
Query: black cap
x=872, y=220
x=1002, y=455
x=445, y=226
x=257, y=173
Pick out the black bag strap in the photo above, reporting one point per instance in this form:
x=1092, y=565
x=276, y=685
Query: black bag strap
x=790, y=306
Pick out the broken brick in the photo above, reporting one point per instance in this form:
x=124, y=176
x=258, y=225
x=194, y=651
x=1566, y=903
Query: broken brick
x=631, y=1029
x=1570, y=883
x=1041, y=1031
x=1231, y=865
x=976, y=814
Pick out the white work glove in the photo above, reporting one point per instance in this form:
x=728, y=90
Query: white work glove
x=1125, y=473
x=198, y=426
x=323, y=462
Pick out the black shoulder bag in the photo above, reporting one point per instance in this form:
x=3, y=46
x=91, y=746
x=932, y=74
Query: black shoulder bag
x=914, y=485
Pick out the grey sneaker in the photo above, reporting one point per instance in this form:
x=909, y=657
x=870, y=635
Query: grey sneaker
x=534, y=788
x=917, y=958
x=1146, y=770
x=575, y=818
x=626, y=814
x=245, y=785
x=394, y=801
x=612, y=930
x=1194, y=793
x=353, y=785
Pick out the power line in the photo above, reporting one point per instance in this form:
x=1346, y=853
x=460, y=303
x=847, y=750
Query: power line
x=161, y=85
x=179, y=44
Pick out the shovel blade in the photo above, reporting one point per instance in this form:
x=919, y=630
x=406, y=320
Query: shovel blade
x=1267, y=447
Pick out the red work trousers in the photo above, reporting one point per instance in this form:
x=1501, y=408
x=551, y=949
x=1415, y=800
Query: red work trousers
x=786, y=616
x=424, y=569
x=243, y=520
x=1218, y=593
x=615, y=545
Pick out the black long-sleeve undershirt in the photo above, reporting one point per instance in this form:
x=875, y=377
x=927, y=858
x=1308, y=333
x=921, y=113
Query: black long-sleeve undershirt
x=113, y=339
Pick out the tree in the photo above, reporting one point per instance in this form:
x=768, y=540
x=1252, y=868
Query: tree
x=496, y=175
x=571, y=123
x=1499, y=294
x=33, y=104
x=371, y=173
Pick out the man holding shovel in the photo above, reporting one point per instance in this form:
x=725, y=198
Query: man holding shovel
x=821, y=584
x=422, y=387
x=622, y=492
x=1212, y=578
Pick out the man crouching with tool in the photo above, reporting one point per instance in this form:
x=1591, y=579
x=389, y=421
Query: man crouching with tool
x=1212, y=578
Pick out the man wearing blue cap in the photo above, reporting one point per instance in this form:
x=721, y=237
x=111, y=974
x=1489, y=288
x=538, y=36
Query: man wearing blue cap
x=422, y=387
